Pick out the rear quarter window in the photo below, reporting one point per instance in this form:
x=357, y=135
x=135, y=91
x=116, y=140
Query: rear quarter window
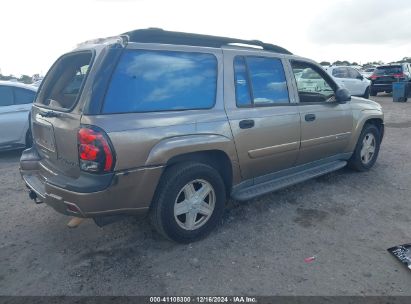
x=148, y=81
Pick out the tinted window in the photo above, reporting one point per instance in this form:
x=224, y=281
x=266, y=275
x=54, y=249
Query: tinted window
x=6, y=96
x=353, y=73
x=147, y=81
x=23, y=96
x=268, y=80
x=242, y=89
x=340, y=73
x=317, y=88
x=388, y=70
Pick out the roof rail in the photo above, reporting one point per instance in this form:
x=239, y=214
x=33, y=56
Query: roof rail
x=156, y=35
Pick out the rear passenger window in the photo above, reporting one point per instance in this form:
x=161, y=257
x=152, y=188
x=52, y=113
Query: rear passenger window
x=146, y=81
x=6, y=96
x=23, y=96
x=267, y=81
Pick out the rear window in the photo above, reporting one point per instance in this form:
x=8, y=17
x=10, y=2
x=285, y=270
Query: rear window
x=64, y=81
x=147, y=81
x=388, y=70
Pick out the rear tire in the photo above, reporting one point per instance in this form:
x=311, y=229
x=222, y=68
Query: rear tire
x=189, y=202
x=366, y=150
x=367, y=93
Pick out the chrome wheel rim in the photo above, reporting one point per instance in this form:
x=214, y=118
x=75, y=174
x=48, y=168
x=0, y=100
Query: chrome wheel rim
x=194, y=204
x=368, y=148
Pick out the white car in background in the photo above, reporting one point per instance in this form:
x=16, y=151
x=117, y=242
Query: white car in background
x=16, y=100
x=350, y=79
x=310, y=81
x=368, y=72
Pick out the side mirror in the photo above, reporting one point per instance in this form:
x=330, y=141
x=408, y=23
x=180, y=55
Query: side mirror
x=360, y=77
x=342, y=95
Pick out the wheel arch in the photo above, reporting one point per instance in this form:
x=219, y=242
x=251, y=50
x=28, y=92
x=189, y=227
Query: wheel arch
x=369, y=117
x=215, y=150
x=217, y=159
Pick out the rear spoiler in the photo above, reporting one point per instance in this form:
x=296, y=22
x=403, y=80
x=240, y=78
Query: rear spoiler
x=122, y=40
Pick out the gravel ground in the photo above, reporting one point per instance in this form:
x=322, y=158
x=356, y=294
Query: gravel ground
x=346, y=220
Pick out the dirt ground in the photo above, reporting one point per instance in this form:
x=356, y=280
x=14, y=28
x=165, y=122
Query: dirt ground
x=346, y=220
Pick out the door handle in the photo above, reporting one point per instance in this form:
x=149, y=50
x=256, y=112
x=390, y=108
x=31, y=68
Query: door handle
x=246, y=124
x=309, y=117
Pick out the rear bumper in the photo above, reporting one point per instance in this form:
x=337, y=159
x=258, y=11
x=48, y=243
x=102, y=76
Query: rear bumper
x=129, y=192
x=382, y=87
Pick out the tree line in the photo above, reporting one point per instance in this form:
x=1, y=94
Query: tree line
x=23, y=78
x=371, y=63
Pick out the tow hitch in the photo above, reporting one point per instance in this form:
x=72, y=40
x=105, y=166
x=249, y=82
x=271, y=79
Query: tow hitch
x=34, y=197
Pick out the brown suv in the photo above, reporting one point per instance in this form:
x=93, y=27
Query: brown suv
x=174, y=124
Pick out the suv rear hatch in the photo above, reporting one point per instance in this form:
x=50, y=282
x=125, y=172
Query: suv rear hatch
x=55, y=119
x=387, y=74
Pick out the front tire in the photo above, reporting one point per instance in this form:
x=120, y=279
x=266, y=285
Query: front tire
x=366, y=150
x=373, y=92
x=367, y=93
x=189, y=202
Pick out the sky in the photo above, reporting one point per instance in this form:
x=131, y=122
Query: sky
x=34, y=33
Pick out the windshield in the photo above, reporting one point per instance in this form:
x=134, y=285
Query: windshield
x=310, y=74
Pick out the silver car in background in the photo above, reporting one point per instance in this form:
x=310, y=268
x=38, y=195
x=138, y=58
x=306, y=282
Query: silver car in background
x=15, y=104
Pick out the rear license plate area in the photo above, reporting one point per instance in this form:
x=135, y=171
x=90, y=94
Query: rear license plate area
x=44, y=136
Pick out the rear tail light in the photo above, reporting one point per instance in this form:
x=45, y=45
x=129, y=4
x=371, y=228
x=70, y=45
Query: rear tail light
x=373, y=77
x=96, y=153
x=399, y=75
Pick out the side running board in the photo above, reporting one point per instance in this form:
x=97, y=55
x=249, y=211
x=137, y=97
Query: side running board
x=253, y=191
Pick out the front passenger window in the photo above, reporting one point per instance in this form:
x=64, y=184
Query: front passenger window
x=354, y=74
x=312, y=85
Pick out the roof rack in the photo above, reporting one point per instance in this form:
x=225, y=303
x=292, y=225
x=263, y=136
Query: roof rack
x=156, y=35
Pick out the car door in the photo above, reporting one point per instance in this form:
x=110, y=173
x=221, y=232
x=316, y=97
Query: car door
x=23, y=101
x=7, y=131
x=262, y=113
x=326, y=125
x=342, y=77
x=15, y=104
x=357, y=82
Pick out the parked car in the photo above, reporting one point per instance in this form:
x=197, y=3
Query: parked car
x=173, y=124
x=351, y=79
x=367, y=72
x=15, y=104
x=37, y=83
x=385, y=75
x=310, y=81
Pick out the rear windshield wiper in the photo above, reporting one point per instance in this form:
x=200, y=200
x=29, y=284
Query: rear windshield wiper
x=49, y=114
